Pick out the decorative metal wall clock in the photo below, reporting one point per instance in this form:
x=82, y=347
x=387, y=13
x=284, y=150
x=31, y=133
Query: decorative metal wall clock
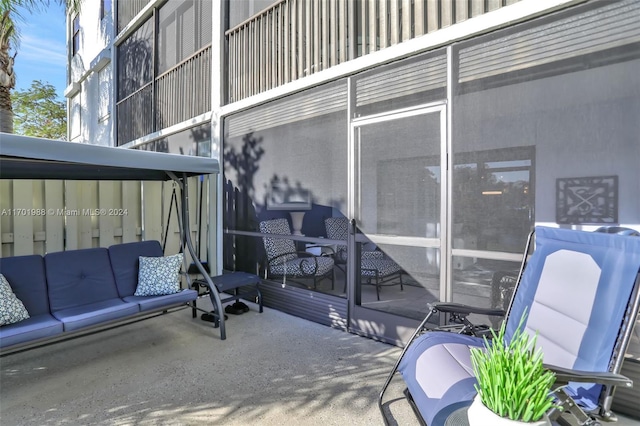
x=587, y=200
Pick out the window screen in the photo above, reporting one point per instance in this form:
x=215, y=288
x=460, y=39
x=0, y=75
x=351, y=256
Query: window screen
x=184, y=28
x=135, y=60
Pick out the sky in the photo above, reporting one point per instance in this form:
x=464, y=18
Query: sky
x=42, y=54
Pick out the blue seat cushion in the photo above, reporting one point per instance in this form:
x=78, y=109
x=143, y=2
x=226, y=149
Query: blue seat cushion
x=27, y=278
x=438, y=372
x=79, y=317
x=79, y=277
x=125, y=263
x=148, y=303
x=36, y=327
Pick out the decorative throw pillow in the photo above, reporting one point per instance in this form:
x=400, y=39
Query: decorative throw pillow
x=12, y=309
x=158, y=276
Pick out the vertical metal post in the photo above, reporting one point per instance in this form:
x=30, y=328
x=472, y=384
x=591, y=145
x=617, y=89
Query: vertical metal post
x=419, y=18
x=447, y=198
x=394, y=9
x=405, y=18
x=350, y=268
x=383, y=12
x=352, y=25
x=213, y=291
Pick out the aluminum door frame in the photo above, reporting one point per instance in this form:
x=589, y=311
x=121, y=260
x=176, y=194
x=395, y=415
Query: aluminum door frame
x=377, y=320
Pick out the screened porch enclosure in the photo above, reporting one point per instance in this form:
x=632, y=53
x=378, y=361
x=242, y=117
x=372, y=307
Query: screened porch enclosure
x=443, y=170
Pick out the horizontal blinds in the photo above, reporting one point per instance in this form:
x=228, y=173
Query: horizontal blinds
x=614, y=25
x=398, y=81
x=291, y=109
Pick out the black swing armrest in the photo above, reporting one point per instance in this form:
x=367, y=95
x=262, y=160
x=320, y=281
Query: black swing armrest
x=566, y=375
x=458, y=308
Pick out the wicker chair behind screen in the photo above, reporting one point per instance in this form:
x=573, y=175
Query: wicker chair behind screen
x=376, y=268
x=284, y=261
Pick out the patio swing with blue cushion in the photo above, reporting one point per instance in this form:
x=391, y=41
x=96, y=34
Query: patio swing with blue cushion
x=581, y=292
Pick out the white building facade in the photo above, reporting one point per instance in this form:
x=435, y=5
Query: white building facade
x=89, y=93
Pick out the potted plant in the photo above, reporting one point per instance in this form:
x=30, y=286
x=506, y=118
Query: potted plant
x=513, y=386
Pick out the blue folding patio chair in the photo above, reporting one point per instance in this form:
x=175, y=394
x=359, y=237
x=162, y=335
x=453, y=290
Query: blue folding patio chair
x=581, y=292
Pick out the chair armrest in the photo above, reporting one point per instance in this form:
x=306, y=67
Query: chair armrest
x=465, y=309
x=566, y=375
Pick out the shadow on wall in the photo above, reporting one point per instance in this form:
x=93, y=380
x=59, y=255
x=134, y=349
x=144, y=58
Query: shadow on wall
x=243, y=212
x=134, y=103
x=239, y=253
x=314, y=214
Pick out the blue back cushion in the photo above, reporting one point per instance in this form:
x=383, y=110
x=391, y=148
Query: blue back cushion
x=590, y=277
x=576, y=289
x=79, y=277
x=125, y=263
x=26, y=277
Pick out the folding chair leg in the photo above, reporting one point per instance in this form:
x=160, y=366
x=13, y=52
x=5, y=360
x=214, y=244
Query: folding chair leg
x=377, y=286
x=567, y=407
x=395, y=367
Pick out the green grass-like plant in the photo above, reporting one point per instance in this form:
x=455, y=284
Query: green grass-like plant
x=512, y=381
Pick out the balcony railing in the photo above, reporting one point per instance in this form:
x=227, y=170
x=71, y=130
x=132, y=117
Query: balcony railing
x=135, y=117
x=190, y=83
x=289, y=40
x=295, y=38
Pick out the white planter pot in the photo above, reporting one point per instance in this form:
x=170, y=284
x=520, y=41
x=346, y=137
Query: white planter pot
x=296, y=222
x=479, y=415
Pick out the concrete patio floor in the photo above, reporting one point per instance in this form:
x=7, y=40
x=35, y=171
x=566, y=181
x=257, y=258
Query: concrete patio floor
x=273, y=369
